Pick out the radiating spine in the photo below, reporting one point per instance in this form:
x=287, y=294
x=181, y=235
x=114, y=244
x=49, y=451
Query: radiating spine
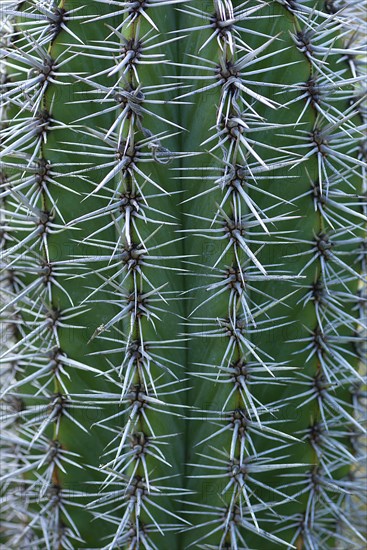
x=184, y=259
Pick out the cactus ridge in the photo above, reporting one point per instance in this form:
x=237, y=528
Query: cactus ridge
x=183, y=274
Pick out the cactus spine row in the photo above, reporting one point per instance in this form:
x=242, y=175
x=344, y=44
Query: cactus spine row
x=183, y=271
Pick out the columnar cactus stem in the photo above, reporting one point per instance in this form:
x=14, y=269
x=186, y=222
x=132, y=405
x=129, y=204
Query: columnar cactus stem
x=183, y=253
x=135, y=461
x=324, y=297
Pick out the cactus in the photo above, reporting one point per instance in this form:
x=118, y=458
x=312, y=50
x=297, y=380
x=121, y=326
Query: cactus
x=183, y=261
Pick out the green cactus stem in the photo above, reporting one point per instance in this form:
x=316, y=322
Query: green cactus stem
x=183, y=265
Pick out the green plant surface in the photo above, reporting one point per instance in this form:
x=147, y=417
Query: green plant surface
x=183, y=260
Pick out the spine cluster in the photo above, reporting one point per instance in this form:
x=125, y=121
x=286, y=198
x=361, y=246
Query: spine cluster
x=183, y=275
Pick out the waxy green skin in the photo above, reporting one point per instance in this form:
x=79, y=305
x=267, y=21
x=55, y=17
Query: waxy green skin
x=191, y=408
